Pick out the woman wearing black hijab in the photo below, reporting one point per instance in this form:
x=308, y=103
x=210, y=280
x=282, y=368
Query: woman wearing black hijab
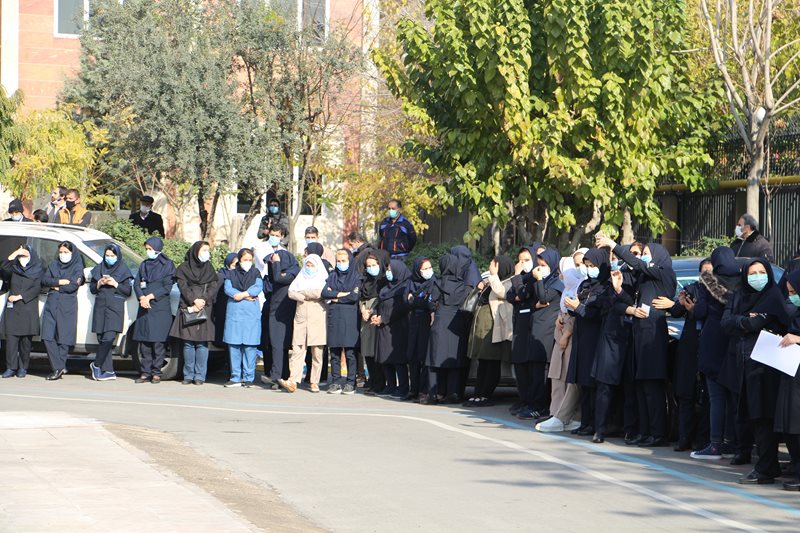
x=198, y=284
x=492, y=330
x=589, y=307
x=111, y=285
x=342, y=292
x=448, y=343
x=419, y=290
x=63, y=278
x=520, y=296
x=787, y=409
x=756, y=306
x=654, y=277
x=21, y=315
x=153, y=285
x=391, y=319
x=374, y=279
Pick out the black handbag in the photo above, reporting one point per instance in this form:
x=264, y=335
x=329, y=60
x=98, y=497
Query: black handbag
x=192, y=319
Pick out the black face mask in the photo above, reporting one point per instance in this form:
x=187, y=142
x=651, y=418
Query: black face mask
x=70, y=204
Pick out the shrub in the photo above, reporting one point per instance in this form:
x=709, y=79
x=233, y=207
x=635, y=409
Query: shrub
x=435, y=251
x=704, y=246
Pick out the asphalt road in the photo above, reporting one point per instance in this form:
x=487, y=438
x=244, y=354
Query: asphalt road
x=356, y=463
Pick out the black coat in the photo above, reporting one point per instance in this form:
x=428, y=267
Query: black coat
x=281, y=307
x=153, y=325
x=23, y=318
x=109, y=306
x=60, y=313
x=787, y=405
x=543, y=322
x=612, y=344
x=391, y=336
x=205, y=331
x=342, y=318
x=650, y=335
x=153, y=224
x=586, y=333
x=520, y=295
x=684, y=373
x=755, y=245
x=419, y=325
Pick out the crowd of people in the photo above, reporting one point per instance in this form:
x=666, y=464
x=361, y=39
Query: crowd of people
x=586, y=334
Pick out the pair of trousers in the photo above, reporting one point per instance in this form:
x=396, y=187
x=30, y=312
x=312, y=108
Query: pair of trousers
x=565, y=404
x=243, y=362
x=323, y=366
x=377, y=381
x=602, y=403
x=443, y=381
x=587, y=406
x=57, y=353
x=396, y=376
x=742, y=426
x=336, y=365
x=488, y=377
x=18, y=351
x=532, y=384
x=417, y=376
x=652, y=399
x=195, y=360
x=722, y=419
x=297, y=359
x=151, y=357
x=103, y=358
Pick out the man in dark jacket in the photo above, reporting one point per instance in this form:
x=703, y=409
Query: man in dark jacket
x=749, y=242
x=397, y=235
x=359, y=247
x=15, y=213
x=146, y=219
x=273, y=219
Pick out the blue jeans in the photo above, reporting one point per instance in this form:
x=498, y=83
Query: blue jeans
x=195, y=360
x=721, y=413
x=243, y=362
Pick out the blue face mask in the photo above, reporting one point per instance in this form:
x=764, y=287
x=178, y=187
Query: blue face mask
x=374, y=271
x=111, y=261
x=795, y=299
x=274, y=241
x=592, y=272
x=310, y=271
x=152, y=254
x=584, y=271
x=757, y=281
x=310, y=241
x=389, y=275
x=274, y=209
x=343, y=267
x=392, y=213
x=16, y=218
x=646, y=258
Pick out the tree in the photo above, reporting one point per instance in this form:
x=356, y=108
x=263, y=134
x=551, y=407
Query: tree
x=755, y=47
x=12, y=134
x=566, y=111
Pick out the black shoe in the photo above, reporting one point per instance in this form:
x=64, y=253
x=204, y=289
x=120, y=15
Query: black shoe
x=516, y=407
x=56, y=375
x=793, y=485
x=654, y=442
x=452, y=398
x=428, y=399
x=579, y=429
x=369, y=392
x=198, y=382
x=585, y=432
x=598, y=438
x=632, y=439
x=741, y=459
x=156, y=380
x=142, y=379
x=754, y=478
x=186, y=382
x=682, y=446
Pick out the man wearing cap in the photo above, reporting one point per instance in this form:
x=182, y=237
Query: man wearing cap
x=74, y=213
x=15, y=213
x=146, y=219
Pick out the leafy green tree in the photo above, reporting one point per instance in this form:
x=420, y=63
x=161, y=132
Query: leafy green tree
x=12, y=134
x=566, y=112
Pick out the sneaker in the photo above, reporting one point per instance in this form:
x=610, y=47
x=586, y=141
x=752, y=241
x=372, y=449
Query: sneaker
x=348, y=389
x=10, y=373
x=142, y=379
x=527, y=414
x=398, y=394
x=575, y=424
x=198, y=382
x=21, y=373
x=232, y=384
x=385, y=393
x=727, y=450
x=266, y=380
x=107, y=376
x=186, y=382
x=290, y=386
x=248, y=384
x=314, y=387
x=95, y=371
x=712, y=452
x=552, y=425
x=334, y=389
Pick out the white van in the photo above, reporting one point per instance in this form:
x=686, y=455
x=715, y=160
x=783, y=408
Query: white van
x=44, y=239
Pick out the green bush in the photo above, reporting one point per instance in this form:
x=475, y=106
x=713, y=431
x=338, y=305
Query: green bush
x=435, y=251
x=705, y=246
x=133, y=236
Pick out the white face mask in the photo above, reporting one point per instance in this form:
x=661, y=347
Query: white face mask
x=204, y=257
x=427, y=273
x=527, y=266
x=545, y=271
x=65, y=257
x=738, y=231
x=24, y=261
x=246, y=265
x=144, y=209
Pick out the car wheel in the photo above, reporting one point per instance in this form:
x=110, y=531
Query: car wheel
x=173, y=361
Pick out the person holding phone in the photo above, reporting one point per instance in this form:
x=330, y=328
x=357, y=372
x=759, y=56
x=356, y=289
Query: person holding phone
x=21, y=315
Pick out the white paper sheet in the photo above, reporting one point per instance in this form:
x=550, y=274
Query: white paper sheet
x=645, y=308
x=767, y=351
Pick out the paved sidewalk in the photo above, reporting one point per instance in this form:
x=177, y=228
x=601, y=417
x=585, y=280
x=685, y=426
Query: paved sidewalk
x=64, y=473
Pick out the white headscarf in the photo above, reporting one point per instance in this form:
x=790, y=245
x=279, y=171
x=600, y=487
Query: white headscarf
x=572, y=279
x=303, y=281
x=579, y=251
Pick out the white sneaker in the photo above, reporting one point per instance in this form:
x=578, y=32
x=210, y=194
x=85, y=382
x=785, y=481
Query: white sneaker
x=551, y=425
x=575, y=424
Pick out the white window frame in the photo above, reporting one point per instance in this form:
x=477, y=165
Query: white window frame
x=55, y=21
x=301, y=15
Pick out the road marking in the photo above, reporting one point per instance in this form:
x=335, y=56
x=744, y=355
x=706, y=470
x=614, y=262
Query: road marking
x=690, y=508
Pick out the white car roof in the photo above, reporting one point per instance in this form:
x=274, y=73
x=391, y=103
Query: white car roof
x=55, y=231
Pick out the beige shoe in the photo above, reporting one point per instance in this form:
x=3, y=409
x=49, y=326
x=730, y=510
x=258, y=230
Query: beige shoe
x=314, y=387
x=288, y=385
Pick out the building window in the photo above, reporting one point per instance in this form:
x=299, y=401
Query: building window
x=70, y=16
x=315, y=18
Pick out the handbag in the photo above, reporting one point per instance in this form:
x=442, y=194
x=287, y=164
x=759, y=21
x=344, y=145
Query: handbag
x=192, y=319
x=470, y=305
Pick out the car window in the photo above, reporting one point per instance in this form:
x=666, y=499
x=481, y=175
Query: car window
x=8, y=244
x=46, y=249
x=129, y=257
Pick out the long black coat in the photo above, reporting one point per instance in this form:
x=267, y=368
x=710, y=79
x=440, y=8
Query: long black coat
x=391, y=337
x=109, y=306
x=713, y=342
x=612, y=344
x=60, y=313
x=281, y=307
x=543, y=322
x=153, y=325
x=520, y=295
x=342, y=318
x=787, y=405
x=205, y=331
x=650, y=335
x=23, y=318
x=586, y=333
x=684, y=374
x=419, y=326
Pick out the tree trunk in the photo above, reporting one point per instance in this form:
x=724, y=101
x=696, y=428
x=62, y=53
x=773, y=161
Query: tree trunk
x=627, y=227
x=212, y=214
x=754, y=181
x=201, y=209
x=255, y=209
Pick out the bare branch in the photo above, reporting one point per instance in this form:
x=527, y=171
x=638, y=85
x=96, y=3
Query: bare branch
x=716, y=49
x=783, y=108
x=768, y=96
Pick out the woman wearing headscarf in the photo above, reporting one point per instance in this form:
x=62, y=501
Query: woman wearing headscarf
x=342, y=291
x=654, y=277
x=448, y=343
x=153, y=285
x=242, y=287
x=520, y=296
x=375, y=264
x=220, y=310
x=111, y=283
x=315, y=248
x=716, y=288
x=787, y=407
x=391, y=319
x=21, y=315
x=63, y=278
x=565, y=398
x=282, y=269
x=546, y=291
x=307, y=330
x=471, y=274
x=492, y=330
x=419, y=290
x=757, y=305
x=198, y=284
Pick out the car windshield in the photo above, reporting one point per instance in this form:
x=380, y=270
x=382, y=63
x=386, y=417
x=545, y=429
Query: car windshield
x=129, y=257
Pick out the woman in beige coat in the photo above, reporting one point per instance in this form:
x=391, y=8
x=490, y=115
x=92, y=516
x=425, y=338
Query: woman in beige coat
x=492, y=330
x=309, y=323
